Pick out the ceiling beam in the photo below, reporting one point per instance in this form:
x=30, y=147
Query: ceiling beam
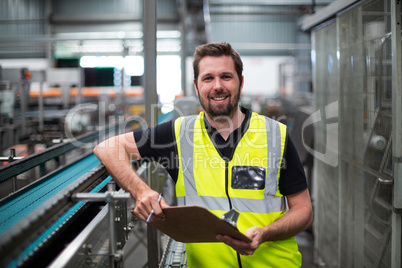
x=105, y=18
x=268, y=2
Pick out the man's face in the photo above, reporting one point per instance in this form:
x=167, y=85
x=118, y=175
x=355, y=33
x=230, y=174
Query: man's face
x=218, y=87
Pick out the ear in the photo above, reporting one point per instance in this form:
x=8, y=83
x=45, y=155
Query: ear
x=195, y=86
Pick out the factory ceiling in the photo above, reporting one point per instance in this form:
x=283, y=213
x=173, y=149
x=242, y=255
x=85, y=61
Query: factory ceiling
x=53, y=28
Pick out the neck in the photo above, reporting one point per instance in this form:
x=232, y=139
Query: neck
x=228, y=125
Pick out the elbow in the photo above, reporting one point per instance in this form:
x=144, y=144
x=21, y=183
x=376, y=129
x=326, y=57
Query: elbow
x=310, y=218
x=97, y=151
x=106, y=149
x=310, y=222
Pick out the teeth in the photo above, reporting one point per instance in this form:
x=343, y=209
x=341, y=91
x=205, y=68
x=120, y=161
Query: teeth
x=220, y=98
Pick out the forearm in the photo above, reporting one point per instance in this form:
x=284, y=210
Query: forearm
x=290, y=224
x=112, y=153
x=116, y=153
x=298, y=218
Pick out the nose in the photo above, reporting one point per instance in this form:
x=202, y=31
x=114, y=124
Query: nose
x=217, y=84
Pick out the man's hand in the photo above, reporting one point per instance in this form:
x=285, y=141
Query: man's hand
x=298, y=218
x=244, y=248
x=146, y=201
x=115, y=153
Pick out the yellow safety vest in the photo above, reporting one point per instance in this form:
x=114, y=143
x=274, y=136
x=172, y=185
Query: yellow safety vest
x=206, y=179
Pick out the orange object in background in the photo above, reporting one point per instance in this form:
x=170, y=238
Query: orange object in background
x=47, y=92
x=27, y=74
x=87, y=92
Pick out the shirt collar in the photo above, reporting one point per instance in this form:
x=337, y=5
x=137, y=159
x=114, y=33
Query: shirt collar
x=243, y=126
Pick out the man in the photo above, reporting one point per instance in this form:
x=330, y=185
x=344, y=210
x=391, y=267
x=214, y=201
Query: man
x=224, y=158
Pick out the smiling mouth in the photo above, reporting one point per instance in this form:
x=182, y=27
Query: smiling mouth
x=219, y=98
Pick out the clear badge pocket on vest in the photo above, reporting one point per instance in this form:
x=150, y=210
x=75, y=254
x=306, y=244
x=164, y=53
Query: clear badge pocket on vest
x=248, y=177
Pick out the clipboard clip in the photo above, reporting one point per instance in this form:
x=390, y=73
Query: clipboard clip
x=231, y=217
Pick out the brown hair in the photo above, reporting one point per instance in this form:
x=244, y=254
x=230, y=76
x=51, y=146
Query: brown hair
x=217, y=50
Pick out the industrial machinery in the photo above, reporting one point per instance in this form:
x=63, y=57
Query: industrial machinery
x=39, y=219
x=35, y=106
x=59, y=207
x=72, y=217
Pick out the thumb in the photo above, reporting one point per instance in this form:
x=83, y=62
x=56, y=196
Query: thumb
x=252, y=232
x=164, y=204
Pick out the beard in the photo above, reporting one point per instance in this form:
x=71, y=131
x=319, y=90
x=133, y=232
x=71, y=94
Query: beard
x=221, y=112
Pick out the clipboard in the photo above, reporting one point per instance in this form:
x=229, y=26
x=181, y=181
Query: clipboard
x=194, y=224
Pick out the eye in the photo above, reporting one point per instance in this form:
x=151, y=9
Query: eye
x=226, y=77
x=207, y=78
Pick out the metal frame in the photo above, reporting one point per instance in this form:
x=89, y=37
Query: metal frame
x=396, y=252
x=78, y=242
x=116, y=256
x=174, y=255
x=17, y=167
x=325, y=13
x=111, y=214
x=151, y=101
x=183, y=54
x=26, y=231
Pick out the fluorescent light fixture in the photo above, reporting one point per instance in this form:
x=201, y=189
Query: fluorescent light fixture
x=134, y=65
x=168, y=45
x=168, y=78
x=101, y=61
x=168, y=34
x=100, y=35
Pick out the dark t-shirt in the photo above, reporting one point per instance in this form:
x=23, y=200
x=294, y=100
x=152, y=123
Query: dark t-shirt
x=159, y=144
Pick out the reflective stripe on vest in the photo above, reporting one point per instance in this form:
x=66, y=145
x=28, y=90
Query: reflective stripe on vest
x=241, y=204
x=272, y=202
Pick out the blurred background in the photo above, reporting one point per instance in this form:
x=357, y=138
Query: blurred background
x=73, y=73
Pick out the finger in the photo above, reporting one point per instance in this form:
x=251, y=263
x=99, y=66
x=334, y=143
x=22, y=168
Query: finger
x=252, y=232
x=143, y=212
x=234, y=242
x=164, y=204
x=143, y=207
x=238, y=245
x=140, y=215
x=157, y=206
x=246, y=252
x=243, y=248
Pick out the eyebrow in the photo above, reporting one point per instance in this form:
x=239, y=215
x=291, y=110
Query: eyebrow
x=224, y=73
x=228, y=73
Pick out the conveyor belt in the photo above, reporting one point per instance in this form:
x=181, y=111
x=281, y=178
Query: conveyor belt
x=52, y=228
x=17, y=207
x=21, y=209
x=175, y=255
